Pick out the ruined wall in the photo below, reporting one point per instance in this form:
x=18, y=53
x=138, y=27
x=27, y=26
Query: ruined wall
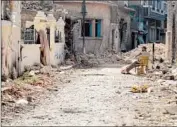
x=95, y=11
x=11, y=37
x=6, y=46
x=123, y=14
x=41, y=21
x=59, y=53
x=114, y=42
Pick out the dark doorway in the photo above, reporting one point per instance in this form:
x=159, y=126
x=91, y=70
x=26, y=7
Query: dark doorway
x=68, y=33
x=144, y=38
x=133, y=40
x=113, y=35
x=48, y=36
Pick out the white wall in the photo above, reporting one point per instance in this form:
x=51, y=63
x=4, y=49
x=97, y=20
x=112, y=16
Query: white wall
x=30, y=54
x=59, y=53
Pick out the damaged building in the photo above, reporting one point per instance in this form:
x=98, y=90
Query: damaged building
x=102, y=25
x=31, y=33
x=149, y=22
x=34, y=19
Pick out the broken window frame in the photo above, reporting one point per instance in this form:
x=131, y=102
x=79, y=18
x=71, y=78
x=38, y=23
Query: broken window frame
x=89, y=33
x=93, y=32
x=29, y=35
x=98, y=26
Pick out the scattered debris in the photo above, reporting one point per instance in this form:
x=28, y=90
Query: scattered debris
x=159, y=51
x=150, y=89
x=31, y=73
x=21, y=102
x=139, y=89
x=46, y=70
x=92, y=60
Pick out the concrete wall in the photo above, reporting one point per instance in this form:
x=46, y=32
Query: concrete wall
x=30, y=54
x=59, y=53
x=56, y=49
x=123, y=14
x=95, y=11
x=6, y=45
x=114, y=42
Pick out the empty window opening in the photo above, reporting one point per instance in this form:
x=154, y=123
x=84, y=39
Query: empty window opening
x=98, y=28
x=88, y=28
x=29, y=35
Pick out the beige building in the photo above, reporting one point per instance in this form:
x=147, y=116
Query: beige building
x=101, y=26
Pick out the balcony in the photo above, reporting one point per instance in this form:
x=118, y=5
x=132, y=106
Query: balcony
x=152, y=13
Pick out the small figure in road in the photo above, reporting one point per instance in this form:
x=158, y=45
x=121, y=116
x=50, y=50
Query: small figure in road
x=135, y=63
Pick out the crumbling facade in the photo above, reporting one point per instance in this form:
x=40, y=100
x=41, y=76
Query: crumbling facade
x=36, y=17
x=30, y=34
x=102, y=29
x=11, y=38
x=96, y=25
x=124, y=17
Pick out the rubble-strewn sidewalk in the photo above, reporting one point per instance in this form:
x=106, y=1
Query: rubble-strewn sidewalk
x=27, y=88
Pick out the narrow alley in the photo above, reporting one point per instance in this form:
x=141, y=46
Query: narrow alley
x=98, y=96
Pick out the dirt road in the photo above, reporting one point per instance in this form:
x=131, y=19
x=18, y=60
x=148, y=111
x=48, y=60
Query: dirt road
x=98, y=96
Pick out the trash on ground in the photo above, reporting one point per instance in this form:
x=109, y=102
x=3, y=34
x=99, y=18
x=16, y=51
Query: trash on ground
x=139, y=89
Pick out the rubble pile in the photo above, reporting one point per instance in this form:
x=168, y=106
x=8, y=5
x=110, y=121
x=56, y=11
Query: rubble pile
x=20, y=87
x=36, y=77
x=159, y=51
x=162, y=73
x=28, y=88
x=36, y=5
x=92, y=60
x=86, y=60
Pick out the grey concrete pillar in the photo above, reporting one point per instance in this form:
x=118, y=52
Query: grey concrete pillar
x=169, y=31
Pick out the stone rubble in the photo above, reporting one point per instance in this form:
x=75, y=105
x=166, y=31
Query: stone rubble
x=159, y=51
x=92, y=60
x=164, y=76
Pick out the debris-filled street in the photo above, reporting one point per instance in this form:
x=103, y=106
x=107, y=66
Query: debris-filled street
x=89, y=63
x=100, y=96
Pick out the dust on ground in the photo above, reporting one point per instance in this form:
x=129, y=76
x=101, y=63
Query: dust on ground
x=100, y=96
x=94, y=92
